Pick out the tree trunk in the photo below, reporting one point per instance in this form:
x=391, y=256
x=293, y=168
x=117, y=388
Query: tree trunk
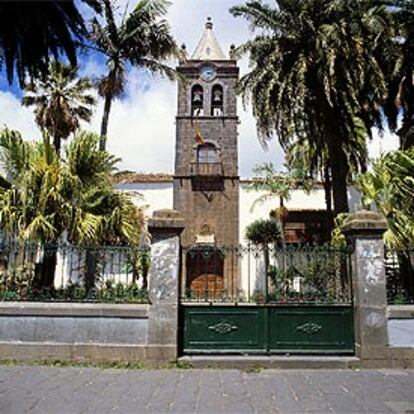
x=105, y=121
x=338, y=162
x=45, y=271
x=339, y=170
x=327, y=184
x=90, y=269
x=56, y=144
x=266, y=269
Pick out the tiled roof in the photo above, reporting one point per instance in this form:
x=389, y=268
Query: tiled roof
x=130, y=177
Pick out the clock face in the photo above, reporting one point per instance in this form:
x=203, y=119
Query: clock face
x=208, y=73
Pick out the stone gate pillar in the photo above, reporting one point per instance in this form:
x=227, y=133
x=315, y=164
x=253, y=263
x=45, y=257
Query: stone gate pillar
x=165, y=228
x=364, y=230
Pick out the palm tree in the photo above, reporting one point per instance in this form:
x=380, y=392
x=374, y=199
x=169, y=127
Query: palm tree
x=60, y=101
x=400, y=60
x=44, y=198
x=315, y=75
x=141, y=39
x=31, y=31
x=276, y=184
x=390, y=187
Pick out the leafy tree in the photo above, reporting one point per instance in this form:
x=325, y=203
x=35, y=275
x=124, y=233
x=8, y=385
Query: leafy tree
x=60, y=101
x=262, y=233
x=45, y=199
x=390, y=186
x=316, y=76
x=142, y=39
x=31, y=31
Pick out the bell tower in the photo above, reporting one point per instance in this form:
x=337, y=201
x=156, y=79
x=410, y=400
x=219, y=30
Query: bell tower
x=206, y=182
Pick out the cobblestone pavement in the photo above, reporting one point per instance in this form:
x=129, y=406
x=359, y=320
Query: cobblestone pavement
x=37, y=389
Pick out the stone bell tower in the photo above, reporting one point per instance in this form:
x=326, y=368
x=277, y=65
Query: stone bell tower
x=206, y=182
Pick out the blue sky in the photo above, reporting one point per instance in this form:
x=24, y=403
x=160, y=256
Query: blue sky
x=142, y=123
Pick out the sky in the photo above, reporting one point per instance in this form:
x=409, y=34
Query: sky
x=142, y=123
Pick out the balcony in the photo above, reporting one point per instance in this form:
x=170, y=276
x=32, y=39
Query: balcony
x=206, y=176
x=201, y=169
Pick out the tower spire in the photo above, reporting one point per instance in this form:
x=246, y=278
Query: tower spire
x=208, y=48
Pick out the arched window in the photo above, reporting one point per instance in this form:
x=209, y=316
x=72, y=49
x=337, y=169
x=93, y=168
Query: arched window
x=217, y=100
x=197, y=101
x=206, y=154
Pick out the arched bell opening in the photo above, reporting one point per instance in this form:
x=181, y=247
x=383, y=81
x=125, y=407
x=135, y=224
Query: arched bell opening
x=217, y=101
x=197, y=100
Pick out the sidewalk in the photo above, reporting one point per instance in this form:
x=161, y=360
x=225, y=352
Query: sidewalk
x=39, y=389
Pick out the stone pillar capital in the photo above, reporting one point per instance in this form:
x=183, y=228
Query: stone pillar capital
x=364, y=224
x=165, y=223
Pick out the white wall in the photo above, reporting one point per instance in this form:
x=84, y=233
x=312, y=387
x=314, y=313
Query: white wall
x=158, y=196
x=299, y=200
x=154, y=196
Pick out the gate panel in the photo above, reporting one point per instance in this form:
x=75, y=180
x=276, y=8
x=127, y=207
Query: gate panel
x=311, y=329
x=223, y=328
x=266, y=299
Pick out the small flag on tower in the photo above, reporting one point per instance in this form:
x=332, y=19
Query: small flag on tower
x=198, y=137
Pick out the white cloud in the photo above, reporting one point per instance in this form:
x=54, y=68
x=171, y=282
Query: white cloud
x=15, y=116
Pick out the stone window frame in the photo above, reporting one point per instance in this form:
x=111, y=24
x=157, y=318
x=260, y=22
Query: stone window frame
x=207, y=142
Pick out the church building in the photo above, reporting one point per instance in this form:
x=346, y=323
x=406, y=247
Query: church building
x=205, y=188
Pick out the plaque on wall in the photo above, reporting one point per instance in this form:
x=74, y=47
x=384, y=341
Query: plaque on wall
x=206, y=236
x=205, y=239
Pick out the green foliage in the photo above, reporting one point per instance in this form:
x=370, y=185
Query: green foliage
x=277, y=184
x=61, y=100
x=141, y=39
x=390, y=186
x=264, y=231
x=44, y=197
x=109, y=293
x=33, y=31
x=316, y=77
x=321, y=272
x=399, y=58
x=338, y=238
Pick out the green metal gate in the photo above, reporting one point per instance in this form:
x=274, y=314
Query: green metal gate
x=267, y=329
x=310, y=315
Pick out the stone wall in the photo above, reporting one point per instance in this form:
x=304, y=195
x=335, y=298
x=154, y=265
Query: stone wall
x=73, y=331
x=104, y=332
x=401, y=326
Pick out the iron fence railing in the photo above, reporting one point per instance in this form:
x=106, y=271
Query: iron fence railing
x=63, y=272
x=399, y=271
x=266, y=274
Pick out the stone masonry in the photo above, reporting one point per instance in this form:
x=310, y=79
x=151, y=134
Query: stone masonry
x=213, y=205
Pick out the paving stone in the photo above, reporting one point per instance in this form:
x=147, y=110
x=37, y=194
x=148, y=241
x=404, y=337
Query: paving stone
x=36, y=389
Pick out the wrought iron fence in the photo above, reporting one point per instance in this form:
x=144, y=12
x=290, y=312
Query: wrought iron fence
x=266, y=274
x=63, y=272
x=399, y=271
